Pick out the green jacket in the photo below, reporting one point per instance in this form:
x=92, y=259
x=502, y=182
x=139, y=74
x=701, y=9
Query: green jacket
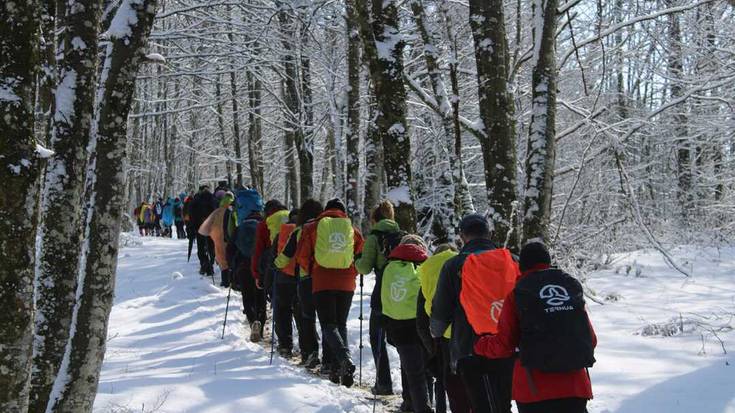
x=372, y=257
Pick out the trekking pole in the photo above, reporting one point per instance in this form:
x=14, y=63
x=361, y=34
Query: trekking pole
x=377, y=367
x=359, y=380
x=227, y=309
x=273, y=320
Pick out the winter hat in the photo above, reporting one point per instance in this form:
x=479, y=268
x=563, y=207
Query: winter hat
x=293, y=215
x=474, y=224
x=533, y=254
x=336, y=203
x=415, y=240
x=272, y=206
x=384, y=210
x=219, y=194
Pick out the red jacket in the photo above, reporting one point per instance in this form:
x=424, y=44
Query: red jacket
x=324, y=279
x=544, y=386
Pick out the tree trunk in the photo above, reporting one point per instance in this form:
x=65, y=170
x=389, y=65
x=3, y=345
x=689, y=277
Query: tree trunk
x=373, y=165
x=221, y=124
x=541, y=153
x=236, y=128
x=47, y=77
x=352, y=129
x=76, y=384
x=487, y=22
x=679, y=124
x=58, y=269
x=255, y=156
x=383, y=49
x=20, y=167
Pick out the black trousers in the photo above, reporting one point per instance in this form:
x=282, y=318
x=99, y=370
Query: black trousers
x=487, y=383
x=253, y=299
x=333, y=307
x=309, y=337
x=180, y=232
x=570, y=405
x=377, y=346
x=453, y=385
x=205, y=253
x=413, y=374
x=286, y=312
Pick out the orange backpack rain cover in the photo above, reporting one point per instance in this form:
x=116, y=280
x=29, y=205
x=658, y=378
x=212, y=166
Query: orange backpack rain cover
x=283, y=235
x=487, y=278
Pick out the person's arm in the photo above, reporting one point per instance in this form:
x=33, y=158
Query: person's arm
x=261, y=243
x=422, y=324
x=359, y=243
x=503, y=344
x=445, y=300
x=365, y=261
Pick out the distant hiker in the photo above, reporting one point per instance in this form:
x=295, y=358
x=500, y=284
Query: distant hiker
x=437, y=350
x=286, y=262
x=158, y=210
x=469, y=297
x=286, y=305
x=202, y=205
x=179, y=218
x=545, y=318
x=167, y=217
x=328, y=247
x=149, y=217
x=216, y=228
x=140, y=218
x=384, y=236
x=248, y=206
x=399, y=297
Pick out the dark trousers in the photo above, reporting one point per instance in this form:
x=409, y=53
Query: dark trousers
x=380, y=355
x=180, y=231
x=309, y=338
x=253, y=299
x=487, y=383
x=286, y=312
x=453, y=385
x=205, y=252
x=333, y=307
x=570, y=405
x=413, y=374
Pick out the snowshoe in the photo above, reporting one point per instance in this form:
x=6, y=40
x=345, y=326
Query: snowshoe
x=256, y=333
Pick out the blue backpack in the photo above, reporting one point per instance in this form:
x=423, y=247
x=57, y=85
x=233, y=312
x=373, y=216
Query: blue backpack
x=247, y=201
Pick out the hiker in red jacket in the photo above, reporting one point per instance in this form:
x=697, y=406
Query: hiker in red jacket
x=545, y=318
x=267, y=230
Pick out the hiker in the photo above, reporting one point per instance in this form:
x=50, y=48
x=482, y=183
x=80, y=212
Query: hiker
x=179, y=217
x=186, y=211
x=276, y=215
x=545, y=318
x=158, y=214
x=149, y=217
x=448, y=385
x=328, y=247
x=384, y=236
x=140, y=218
x=216, y=227
x=249, y=205
x=469, y=297
x=286, y=262
x=167, y=217
x=202, y=205
x=399, y=297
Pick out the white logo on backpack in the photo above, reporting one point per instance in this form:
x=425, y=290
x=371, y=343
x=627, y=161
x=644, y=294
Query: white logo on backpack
x=555, y=295
x=337, y=242
x=495, y=309
x=398, y=290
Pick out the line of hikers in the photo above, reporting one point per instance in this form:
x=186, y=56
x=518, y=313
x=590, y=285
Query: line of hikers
x=475, y=326
x=158, y=218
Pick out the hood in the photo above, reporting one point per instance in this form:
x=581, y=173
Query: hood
x=409, y=252
x=386, y=225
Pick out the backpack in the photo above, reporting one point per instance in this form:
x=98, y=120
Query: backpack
x=487, y=279
x=555, y=328
x=247, y=201
x=245, y=237
x=400, y=290
x=335, y=243
x=388, y=241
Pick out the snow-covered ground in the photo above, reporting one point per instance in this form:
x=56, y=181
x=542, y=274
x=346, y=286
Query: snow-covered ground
x=165, y=352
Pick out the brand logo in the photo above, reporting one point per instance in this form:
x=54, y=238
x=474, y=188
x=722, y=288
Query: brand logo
x=398, y=290
x=495, y=309
x=337, y=242
x=555, y=295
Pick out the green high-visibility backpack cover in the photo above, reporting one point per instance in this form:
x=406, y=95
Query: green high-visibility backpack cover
x=335, y=243
x=400, y=290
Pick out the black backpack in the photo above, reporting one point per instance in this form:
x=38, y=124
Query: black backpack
x=387, y=241
x=555, y=328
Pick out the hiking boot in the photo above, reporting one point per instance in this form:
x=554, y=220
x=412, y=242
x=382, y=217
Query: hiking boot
x=256, y=332
x=325, y=369
x=285, y=352
x=312, y=361
x=406, y=407
x=381, y=390
x=347, y=372
x=334, y=375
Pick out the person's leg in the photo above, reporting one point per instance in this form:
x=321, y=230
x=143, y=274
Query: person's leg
x=308, y=337
x=383, y=382
x=283, y=315
x=202, y=253
x=347, y=371
x=210, y=252
x=499, y=375
x=412, y=368
x=475, y=384
x=326, y=309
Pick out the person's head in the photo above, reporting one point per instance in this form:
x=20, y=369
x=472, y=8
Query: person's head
x=414, y=239
x=292, y=215
x=534, y=255
x=474, y=226
x=272, y=206
x=337, y=204
x=444, y=247
x=310, y=209
x=384, y=210
x=204, y=188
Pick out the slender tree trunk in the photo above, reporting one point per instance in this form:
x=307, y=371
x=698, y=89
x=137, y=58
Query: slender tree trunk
x=487, y=22
x=373, y=164
x=352, y=129
x=47, y=76
x=305, y=135
x=63, y=188
x=236, y=128
x=255, y=156
x=221, y=124
x=541, y=154
x=383, y=51
x=76, y=384
x=20, y=167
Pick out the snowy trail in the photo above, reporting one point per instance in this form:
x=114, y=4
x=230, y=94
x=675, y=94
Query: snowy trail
x=165, y=353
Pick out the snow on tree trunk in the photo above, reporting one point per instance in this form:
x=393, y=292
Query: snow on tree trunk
x=541, y=154
x=492, y=58
x=20, y=167
x=76, y=384
x=373, y=164
x=47, y=76
x=255, y=156
x=383, y=50
x=73, y=114
x=221, y=122
x=352, y=130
